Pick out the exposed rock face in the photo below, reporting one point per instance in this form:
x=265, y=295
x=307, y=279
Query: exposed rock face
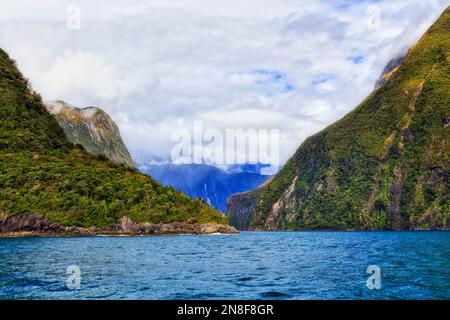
x=389, y=70
x=286, y=203
x=37, y=225
x=383, y=166
x=92, y=128
x=395, y=196
x=240, y=209
x=126, y=225
x=205, y=181
x=27, y=223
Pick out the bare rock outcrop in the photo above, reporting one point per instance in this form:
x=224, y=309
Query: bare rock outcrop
x=38, y=225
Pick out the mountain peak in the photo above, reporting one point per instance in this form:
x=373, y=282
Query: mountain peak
x=388, y=71
x=383, y=166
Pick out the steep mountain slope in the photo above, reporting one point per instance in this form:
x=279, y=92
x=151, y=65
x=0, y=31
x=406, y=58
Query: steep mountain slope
x=43, y=174
x=93, y=128
x=204, y=181
x=383, y=166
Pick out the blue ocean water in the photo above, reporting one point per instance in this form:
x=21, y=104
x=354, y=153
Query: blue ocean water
x=251, y=265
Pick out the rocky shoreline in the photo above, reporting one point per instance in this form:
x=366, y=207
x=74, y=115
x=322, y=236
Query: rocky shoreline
x=34, y=225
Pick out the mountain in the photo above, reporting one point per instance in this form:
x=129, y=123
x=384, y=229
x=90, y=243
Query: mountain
x=383, y=166
x=205, y=181
x=93, y=128
x=389, y=70
x=46, y=181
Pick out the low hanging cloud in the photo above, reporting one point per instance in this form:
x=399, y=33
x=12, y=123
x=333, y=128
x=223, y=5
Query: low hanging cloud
x=73, y=70
x=157, y=66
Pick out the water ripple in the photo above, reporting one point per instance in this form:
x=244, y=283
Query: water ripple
x=272, y=265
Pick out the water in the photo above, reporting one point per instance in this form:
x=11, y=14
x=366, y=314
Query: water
x=251, y=265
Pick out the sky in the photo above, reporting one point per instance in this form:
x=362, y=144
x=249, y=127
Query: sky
x=159, y=66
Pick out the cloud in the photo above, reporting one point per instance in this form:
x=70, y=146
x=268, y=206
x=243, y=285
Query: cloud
x=157, y=65
x=78, y=75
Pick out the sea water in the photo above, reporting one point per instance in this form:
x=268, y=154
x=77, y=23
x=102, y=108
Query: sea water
x=250, y=265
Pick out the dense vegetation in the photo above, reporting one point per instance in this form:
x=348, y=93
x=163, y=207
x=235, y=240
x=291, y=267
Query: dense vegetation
x=383, y=166
x=41, y=172
x=93, y=128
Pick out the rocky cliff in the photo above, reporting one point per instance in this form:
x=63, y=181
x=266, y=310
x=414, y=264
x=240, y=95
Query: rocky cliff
x=383, y=166
x=92, y=128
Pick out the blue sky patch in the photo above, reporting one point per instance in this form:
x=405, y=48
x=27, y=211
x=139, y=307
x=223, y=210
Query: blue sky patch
x=273, y=79
x=357, y=59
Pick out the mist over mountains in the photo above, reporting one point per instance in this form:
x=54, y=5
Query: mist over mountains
x=208, y=182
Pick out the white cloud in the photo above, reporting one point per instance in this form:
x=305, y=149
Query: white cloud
x=156, y=66
x=78, y=75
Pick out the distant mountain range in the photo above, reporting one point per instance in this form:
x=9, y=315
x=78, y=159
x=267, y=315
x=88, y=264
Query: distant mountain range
x=206, y=181
x=385, y=165
x=50, y=185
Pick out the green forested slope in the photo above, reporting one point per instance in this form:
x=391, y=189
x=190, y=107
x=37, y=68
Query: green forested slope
x=383, y=166
x=93, y=128
x=41, y=172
